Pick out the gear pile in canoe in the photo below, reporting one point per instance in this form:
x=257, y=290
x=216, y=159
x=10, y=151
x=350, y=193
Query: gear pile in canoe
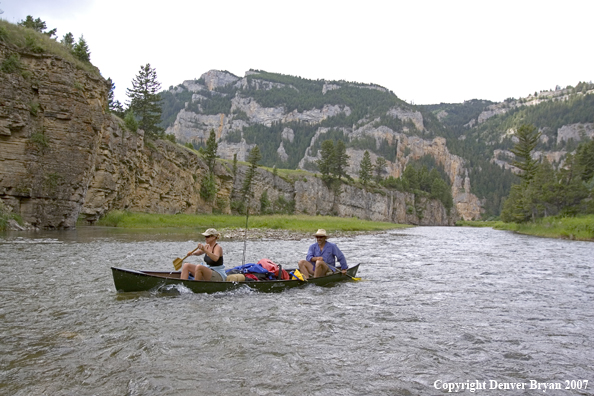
x=127, y=280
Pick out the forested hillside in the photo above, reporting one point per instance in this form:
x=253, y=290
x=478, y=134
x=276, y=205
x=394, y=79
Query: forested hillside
x=358, y=103
x=483, y=133
x=290, y=117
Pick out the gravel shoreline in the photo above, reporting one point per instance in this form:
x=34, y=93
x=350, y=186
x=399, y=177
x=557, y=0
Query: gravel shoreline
x=274, y=234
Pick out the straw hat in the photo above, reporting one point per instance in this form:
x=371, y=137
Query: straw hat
x=321, y=233
x=211, y=232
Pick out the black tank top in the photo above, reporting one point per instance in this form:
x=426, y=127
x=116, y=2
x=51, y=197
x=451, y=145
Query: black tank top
x=211, y=262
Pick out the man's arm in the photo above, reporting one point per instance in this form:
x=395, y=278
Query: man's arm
x=310, y=253
x=340, y=257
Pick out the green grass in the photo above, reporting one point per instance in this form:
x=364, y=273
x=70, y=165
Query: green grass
x=32, y=41
x=577, y=228
x=289, y=175
x=299, y=223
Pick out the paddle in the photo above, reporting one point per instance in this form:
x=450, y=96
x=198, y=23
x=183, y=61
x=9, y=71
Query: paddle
x=177, y=263
x=352, y=277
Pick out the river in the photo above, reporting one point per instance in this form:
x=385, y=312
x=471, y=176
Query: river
x=437, y=307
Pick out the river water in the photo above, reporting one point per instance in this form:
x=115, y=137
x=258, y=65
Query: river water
x=437, y=306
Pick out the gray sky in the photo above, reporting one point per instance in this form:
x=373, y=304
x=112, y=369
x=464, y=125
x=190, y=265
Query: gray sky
x=424, y=51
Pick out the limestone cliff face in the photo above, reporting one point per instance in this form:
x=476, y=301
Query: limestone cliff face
x=311, y=196
x=51, y=120
x=160, y=177
x=411, y=148
x=62, y=157
x=407, y=136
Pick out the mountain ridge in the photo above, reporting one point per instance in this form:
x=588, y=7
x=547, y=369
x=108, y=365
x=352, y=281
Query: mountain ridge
x=289, y=116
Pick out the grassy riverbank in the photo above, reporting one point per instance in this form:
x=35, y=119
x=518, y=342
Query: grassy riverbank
x=297, y=223
x=578, y=228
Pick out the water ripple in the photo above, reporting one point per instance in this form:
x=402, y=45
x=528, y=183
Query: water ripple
x=435, y=303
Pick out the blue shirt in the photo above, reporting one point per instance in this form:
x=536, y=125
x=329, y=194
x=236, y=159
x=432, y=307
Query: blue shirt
x=330, y=252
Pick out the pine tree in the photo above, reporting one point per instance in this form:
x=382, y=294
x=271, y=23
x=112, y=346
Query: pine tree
x=440, y=190
x=410, y=179
x=36, y=24
x=208, y=188
x=68, y=41
x=585, y=159
x=341, y=160
x=145, y=100
x=365, y=168
x=265, y=203
x=210, y=153
x=528, y=137
x=379, y=168
x=114, y=106
x=327, y=160
x=246, y=190
x=515, y=207
x=81, y=50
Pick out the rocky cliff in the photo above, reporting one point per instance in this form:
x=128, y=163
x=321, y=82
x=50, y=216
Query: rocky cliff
x=63, y=157
x=400, y=127
x=51, y=121
x=310, y=195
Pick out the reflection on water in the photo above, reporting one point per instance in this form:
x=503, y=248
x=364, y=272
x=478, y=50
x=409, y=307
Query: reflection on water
x=447, y=304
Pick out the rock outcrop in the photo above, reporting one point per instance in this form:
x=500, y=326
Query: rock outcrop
x=577, y=132
x=51, y=118
x=160, y=177
x=410, y=148
x=310, y=195
x=408, y=141
x=64, y=158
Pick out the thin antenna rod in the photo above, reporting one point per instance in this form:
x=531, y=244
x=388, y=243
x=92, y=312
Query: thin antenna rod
x=247, y=215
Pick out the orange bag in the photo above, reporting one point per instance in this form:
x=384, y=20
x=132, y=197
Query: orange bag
x=272, y=267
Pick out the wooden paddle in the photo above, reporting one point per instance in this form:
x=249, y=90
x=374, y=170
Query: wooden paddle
x=177, y=263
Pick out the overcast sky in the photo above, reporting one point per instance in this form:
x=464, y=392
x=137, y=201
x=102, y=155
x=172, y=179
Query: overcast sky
x=424, y=51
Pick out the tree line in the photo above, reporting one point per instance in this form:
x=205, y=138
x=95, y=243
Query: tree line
x=544, y=191
x=143, y=109
x=79, y=49
x=417, y=178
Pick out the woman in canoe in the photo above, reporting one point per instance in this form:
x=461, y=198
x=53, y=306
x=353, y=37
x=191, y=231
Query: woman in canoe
x=213, y=268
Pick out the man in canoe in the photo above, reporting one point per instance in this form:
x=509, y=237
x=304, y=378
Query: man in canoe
x=321, y=258
x=213, y=270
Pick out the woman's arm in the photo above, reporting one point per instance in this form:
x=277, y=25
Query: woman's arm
x=198, y=252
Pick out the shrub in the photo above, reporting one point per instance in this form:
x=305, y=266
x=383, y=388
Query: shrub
x=208, y=188
x=11, y=64
x=40, y=139
x=238, y=206
x=34, y=108
x=130, y=121
x=33, y=44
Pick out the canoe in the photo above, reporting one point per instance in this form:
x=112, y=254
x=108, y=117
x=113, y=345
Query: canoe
x=127, y=280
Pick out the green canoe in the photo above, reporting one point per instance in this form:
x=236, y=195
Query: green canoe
x=127, y=280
